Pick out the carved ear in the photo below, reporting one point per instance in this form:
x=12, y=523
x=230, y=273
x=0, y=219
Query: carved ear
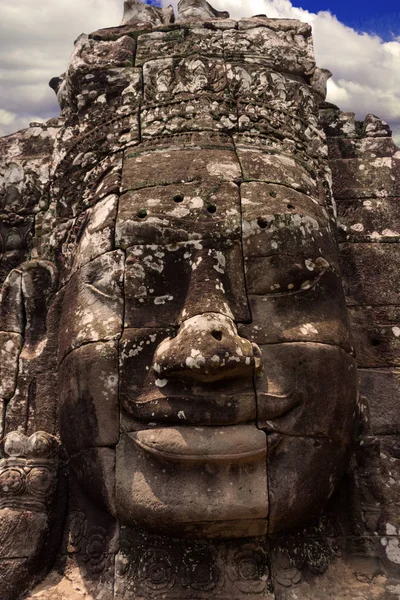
x=39, y=284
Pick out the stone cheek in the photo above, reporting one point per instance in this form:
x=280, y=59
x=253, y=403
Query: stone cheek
x=93, y=303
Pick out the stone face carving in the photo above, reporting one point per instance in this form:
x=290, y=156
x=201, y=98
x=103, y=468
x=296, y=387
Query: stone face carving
x=180, y=324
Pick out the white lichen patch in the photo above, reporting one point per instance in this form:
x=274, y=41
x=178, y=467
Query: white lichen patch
x=308, y=329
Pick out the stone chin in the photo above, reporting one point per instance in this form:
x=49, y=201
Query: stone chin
x=205, y=482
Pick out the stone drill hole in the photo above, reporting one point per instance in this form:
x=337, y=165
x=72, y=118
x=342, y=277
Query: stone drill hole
x=211, y=208
x=217, y=335
x=178, y=198
x=290, y=206
x=262, y=222
x=142, y=213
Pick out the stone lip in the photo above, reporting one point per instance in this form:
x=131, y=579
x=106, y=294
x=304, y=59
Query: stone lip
x=200, y=444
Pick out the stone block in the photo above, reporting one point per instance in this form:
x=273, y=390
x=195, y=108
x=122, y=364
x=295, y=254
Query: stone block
x=176, y=79
x=363, y=178
x=302, y=474
x=287, y=49
x=181, y=165
x=10, y=348
x=179, y=43
x=94, y=472
x=90, y=55
x=88, y=381
x=22, y=533
x=42, y=357
x=93, y=303
x=370, y=273
x=278, y=169
x=364, y=148
x=376, y=332
x=220, y=472
x=278, y=220
x=372, y=220
x=381, y=390
x=203, y=113
x=165, y=285
x=307, y=389
x=251, y=83
x=11, y=310
x=34, y=406
x=261, y=119
x=316, y=313
x=15, y=242
x=98, y=232
x=179, y=212
x=146, y=397
x=90, y=183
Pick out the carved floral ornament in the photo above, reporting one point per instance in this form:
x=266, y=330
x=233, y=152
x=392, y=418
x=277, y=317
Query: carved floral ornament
x=28, y=471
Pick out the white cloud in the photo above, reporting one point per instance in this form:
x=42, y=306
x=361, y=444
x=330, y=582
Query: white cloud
x=36, y=39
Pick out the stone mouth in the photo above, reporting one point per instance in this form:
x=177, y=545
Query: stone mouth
x=242, y=443
x=215, y=409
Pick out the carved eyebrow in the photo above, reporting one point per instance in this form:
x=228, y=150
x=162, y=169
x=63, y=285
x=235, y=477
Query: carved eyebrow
x=97, y=291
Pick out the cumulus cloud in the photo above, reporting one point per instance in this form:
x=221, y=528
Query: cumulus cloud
x=36, y=39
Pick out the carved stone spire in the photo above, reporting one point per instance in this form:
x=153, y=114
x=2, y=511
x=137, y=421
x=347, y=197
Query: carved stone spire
x=191, y=10
x=136, y=11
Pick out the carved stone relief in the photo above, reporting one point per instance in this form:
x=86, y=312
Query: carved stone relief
x=173, y=313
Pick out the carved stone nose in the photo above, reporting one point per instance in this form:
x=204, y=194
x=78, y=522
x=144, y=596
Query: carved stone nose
x=207, y=348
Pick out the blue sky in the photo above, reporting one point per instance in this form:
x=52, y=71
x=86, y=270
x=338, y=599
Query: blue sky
x=381, y=18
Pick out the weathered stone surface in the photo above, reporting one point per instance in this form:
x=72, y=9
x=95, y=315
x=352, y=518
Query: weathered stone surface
x=284, y=45
x=200, y=114
x=370, y=273
x=315, y=313
x=169, y=79
x=176, y=213
x=178, y=43
x=307, y=390
x=274, y=168
x=365, y=148
x=185, y=199
x=148, y=398
x=363, y=178
x=165, y=285
x=150, y=564
x=198, y=10
x=10, y=348
x=79, y=186
x=277, y=219
x=93, y=303
x=376, y=335
x=34, y=405
x=292, y=464
x=89, y=397
x=25, y=169
x=138, y=13
x=181, y=165
x=380, y=388
x=29, y=529
x=11, y=311
x=209, y=506
x=372, y=220
x=94, y=470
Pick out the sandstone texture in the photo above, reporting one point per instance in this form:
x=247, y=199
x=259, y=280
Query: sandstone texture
x=199, y=324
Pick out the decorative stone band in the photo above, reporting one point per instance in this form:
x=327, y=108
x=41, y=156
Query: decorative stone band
x=28, y=471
